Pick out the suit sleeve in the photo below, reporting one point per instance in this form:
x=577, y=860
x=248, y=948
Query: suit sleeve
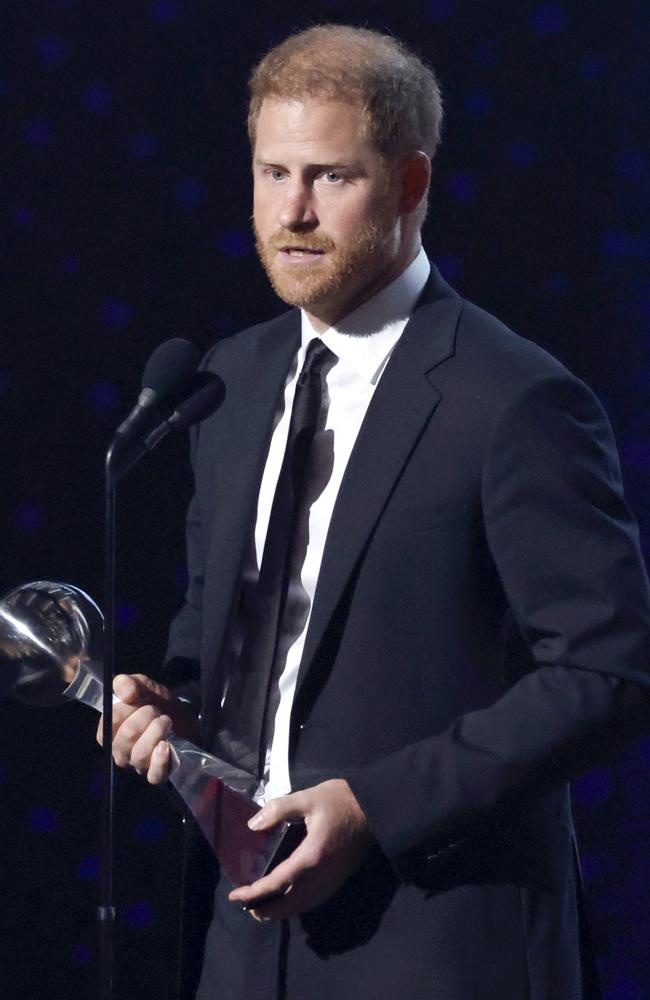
x=182, y=665
x=181, y=668
x=567, y=552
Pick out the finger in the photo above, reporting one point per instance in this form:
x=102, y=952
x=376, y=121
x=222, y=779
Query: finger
x=286, y=807
x=297, y=899
x=138, y=689
x=143, y=748
x=276, y=907
x=120, y=713
x=277, y=882
x=160, y=763
x=130, y=731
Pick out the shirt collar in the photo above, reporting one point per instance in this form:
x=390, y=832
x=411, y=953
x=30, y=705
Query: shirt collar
x=364, y=338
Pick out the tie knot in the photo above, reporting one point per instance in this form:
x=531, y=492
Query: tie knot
x=317, y=356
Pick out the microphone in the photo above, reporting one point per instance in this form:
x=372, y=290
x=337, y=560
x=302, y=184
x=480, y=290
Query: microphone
x=170, y=365
x=203, y=401
x=201, y=404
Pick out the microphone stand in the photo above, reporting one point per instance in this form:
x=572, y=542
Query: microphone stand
x=106, y=908
x=122, y=455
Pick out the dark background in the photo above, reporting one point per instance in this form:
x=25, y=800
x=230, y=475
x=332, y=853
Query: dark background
x=126, y=197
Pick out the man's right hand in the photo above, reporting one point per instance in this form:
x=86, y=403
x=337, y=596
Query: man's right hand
x=142, y=720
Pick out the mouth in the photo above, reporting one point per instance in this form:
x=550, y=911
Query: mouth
x=300, y=253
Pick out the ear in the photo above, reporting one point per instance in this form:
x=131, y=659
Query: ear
x=416, y=176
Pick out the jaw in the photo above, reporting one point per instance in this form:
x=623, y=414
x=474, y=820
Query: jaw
x=328, y=280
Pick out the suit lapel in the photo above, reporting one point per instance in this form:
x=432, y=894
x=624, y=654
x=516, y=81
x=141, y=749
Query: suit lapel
x=400, y=408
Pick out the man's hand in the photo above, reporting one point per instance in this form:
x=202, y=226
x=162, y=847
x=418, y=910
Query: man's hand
x=336, y=842
x=143, y=718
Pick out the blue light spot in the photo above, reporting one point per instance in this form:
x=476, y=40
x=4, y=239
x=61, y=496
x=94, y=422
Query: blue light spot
x=557, y=284
x=22, y=217
x=116, y=313
x=88, y=869
x=52, y=51
x=165, y=11
x=98, y=98
x=38, y=132
x=236, y=243
x=149, y=830
x=126, y=615
x=138, y=916
x=190, y=193
x=522, y=153
x=449, y=267
x=81, y=954
x=548, y=19
x=476, y=103
x=636, y=455
x=622, y=987
x=96, y=783
x=29, y=517
x=486, y=53
x=463, y=186
x=593, y=67
x=144, y=147
x=594, y=788
x=632, y=165
x=437, y=10
x=43, y=820
x=642, y=377
x=103, y=397
x=617, y=242
x=70, y=264
x=596, y=863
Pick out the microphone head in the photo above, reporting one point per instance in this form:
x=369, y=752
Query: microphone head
x=203, y=402
x=170, y=365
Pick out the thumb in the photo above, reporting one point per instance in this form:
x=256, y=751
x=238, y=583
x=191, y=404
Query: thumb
x=286, y=807
x=137, y=689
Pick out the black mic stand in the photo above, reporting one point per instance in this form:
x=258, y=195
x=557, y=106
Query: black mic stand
x=106, y=908
x=122, y=455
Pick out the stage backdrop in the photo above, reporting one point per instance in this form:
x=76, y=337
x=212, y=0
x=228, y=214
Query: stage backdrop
x=126, y=199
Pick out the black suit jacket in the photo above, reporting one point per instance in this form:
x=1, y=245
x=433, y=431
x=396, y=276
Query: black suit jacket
x=478, y=636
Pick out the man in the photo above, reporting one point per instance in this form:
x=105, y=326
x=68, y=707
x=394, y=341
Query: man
x=461, y=611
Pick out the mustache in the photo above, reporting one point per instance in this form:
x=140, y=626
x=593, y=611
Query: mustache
x=293, y=241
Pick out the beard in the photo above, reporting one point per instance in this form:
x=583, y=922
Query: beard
x=335, y=278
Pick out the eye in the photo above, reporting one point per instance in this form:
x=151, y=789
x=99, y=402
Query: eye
x=332, y=176
x=275, y=173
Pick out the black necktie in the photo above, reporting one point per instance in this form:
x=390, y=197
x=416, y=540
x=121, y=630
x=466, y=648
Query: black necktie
x=253, y=696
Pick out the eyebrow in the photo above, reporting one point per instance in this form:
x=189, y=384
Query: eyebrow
x=328, y=165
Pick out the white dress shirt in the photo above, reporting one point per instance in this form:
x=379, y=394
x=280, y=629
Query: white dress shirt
x=362, y=342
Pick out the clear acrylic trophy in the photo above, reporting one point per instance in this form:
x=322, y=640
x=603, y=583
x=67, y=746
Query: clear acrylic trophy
x=51, y=637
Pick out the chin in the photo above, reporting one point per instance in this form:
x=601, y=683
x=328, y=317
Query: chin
x=305, y=294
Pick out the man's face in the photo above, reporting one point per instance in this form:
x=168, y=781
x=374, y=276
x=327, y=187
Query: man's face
x=326, y=219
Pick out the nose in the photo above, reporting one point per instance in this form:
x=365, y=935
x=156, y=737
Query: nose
x=298, y=212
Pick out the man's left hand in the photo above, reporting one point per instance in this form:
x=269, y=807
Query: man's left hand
x=334, y=846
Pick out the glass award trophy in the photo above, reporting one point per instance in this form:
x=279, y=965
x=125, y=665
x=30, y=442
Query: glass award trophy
x=51, y=638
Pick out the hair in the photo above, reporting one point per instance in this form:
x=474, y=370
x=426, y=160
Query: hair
x=399, y=94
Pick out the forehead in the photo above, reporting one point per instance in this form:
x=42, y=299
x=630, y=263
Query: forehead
x=311, y=126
